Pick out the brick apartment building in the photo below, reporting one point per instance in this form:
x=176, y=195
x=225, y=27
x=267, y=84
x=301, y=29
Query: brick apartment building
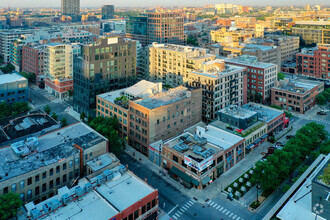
x=33, y=59
x=144, y=117
x=296, y=95
x=314, y=62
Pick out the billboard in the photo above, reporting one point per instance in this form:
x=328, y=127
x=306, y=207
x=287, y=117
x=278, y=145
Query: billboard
x=198, y=165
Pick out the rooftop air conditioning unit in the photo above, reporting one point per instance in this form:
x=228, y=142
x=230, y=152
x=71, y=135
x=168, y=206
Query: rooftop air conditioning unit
x=65, y=199
x=88, y=187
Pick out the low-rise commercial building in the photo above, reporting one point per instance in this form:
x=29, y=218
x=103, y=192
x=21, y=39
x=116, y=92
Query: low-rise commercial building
x=312, y=32
x=114, y=194
x=266, y=54
x=314, y=62
x=13, y=88
x=36, y=167
x=145, y=111
x=260, y=77
x=296, y=95
x=196, y=159
x=230, y=38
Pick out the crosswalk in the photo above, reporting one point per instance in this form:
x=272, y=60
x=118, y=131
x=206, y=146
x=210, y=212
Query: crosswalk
x=224, y=211
x=181, y=210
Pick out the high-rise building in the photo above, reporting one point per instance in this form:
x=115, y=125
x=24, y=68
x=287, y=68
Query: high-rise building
x=106, y=65
x=157, y=27
x=108, y=11
x=71, y=8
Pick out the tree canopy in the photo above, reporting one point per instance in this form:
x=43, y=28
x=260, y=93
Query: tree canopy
x=9, y=203
x=7, y=110
x=109, y=128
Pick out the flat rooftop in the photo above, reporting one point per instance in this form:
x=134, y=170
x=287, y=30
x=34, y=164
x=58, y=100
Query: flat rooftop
x=215, y=73
x=102, y=201
x=265, y=113
x=140, y=87
x=255, y=47
x=248, y=60
x=111, y=96
x=11, y=78
x=165, y=98
x=238, y=112
x=297, y=85
x=46, y=150
x=101, y=162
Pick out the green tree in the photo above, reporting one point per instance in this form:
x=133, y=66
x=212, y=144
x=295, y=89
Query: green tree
x=54, y=116
x=280, y=76
x=47, y=109
x=5, y=110
x=325, y=147
x=8, y=68
x=320, y=99
x=276, y=106
x=288, y=114
x=191, y=40
x=64, y=122
x=9, y=203
x=20, y=107
x=82, y=116
x=31, y=77
x=326, y=94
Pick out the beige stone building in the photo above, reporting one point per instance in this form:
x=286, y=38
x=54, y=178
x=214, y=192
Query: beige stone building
x=230, y=38
x=171, y=64
x=36, y=168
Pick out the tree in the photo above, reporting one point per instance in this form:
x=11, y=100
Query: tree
x=9, y=203
x=280, y=76
x=54, y=116
x=47, y=109
x=20, y=107
x=64, y=122
x=5, y=110
x=288, y=114
x=191, y=40
x=31, y=77
x=320, y=99
x=70, y=92
x=82, y=116
x=8, y=68
x=276, y=106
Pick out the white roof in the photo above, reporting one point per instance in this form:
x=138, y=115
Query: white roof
x=218, y=136
x=11, y=77
x=140, y=87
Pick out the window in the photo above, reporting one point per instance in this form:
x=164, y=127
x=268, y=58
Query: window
x=5, y=190
x=64, y=166
x=44, y=175
x=143, y=209
x=153, y=203
x=175, y=158
x=77, y=161
x=136, y=214
x=58, y=181
x=148, y=206
x=51, y=172
x=37, y=178
x=51, y=184
x=70, y=163
x=29, y=181
x=57, y=169
x=29, y=194
x=22, y=196
x=21, y=184
x=13, y=187
x=37, y=191
x=44, y=187
x=64, y=178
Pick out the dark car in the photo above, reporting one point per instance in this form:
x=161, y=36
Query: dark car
x=289, y=136
x=321, y=113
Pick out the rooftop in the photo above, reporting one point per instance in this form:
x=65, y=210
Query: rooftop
x=265, y=113
x=238, y=112
x=25, y=156
x=296, y=85
x=11, y=77
x=165, y=98
x=249, y=60
x=101, y=162
x=255, y=47
x=102, y=197
x=216, y=72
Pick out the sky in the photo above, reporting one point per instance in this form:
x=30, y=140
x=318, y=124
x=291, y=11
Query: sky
x=151, y=3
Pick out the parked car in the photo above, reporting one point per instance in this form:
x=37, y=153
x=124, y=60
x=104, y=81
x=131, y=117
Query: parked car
x=321, y=113
x=324, y=110
x=289, y=136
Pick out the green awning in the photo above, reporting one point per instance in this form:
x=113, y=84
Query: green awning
x=183, y=175
x=205, y=180
x=195, y=182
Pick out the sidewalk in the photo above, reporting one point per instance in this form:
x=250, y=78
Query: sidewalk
x=73, y=113
x=215, y=188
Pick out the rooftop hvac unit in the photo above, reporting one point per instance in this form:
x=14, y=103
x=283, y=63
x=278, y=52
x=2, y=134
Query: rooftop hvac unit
x=35, y=213
x=51, y=205
x=65, y=199
x=88, y=187
x=108, y=175
x=100, y=179
x=122, y=169
x=79, y=191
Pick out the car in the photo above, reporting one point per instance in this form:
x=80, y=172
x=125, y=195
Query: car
x=324, y=110
x=321, y=113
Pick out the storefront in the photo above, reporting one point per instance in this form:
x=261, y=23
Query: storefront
x=186, y=180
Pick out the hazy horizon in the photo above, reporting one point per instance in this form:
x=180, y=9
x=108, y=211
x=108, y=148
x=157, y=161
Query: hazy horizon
x=150, y=3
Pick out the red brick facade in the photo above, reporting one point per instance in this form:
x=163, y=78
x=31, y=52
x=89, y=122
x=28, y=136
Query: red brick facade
x=59, y=88
x=32, y=60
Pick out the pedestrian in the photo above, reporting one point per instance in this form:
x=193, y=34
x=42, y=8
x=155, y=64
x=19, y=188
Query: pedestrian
x=164, y=205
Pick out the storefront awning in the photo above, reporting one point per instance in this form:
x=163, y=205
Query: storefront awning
x=264, y=136
x=249, y=146
x=205, y=180
x=257, y=141
x=195, y=182
x=182, y=175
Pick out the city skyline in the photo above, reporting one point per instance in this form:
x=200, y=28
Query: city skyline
x=144, y=3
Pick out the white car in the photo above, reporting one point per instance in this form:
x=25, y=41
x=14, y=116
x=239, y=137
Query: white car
x=324, y=109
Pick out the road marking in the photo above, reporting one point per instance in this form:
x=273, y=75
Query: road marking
x=218, y=206
x=227, y=212
x=238, y=218
x=182, y=210
x=224, y=210
x=211, y=203
x=190, y=202
x=180, y=213
x=174, y=217
x=177, y=215
x=221, y=209
x=234, y=216
x=172, y=209
x=215, y=205
x=231, y=215
x=185, y=206
x=193, y=201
